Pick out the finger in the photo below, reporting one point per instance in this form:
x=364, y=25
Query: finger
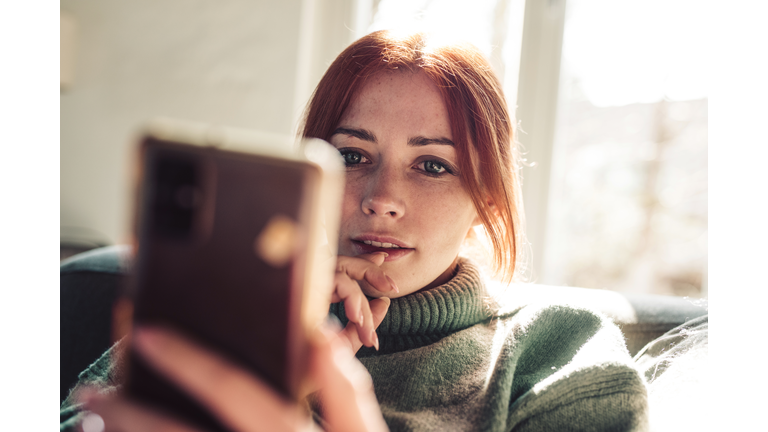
x=376, y=257
x=366, y=332
x=348, y=290
x=356, y=308
x=349, y=403
x=350, y=334
x=118, y=414
x=361, y=269
x=236, y=397
x=342, y=275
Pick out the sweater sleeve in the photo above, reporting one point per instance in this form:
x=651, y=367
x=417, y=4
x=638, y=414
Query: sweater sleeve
x=574, y=373
x=105, y=375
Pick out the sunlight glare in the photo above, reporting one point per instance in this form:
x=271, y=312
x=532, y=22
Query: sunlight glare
x=447, y=21
x=628, y=51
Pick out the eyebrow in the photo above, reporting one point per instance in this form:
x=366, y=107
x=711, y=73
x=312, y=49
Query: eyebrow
x=367, y=135
x=362, y=134
x=422, y=141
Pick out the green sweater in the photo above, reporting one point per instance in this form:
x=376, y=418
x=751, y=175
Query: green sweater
x=448, y=360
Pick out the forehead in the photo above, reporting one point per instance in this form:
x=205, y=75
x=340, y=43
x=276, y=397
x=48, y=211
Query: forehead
x=408, y=99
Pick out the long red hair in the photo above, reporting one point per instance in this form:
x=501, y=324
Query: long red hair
x=481, y=125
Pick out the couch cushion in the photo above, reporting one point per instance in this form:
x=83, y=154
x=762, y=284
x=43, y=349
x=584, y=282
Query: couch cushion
x=111, y=259
x=89, y=285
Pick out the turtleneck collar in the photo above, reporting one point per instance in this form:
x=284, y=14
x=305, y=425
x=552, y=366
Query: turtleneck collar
x=427, y=316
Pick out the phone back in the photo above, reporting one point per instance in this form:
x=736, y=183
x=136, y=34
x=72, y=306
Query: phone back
x=227, y=250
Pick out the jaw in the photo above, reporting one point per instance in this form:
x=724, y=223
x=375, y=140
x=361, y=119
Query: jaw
x=409, y=280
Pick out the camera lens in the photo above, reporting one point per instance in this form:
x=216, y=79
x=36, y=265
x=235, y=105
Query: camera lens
x=176, y=195
x=187, y=197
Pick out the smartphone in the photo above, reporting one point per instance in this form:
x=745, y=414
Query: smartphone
x=236, y=237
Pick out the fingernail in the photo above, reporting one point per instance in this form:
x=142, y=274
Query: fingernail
x=361, y=319
x=375, y=340
x=392, y=284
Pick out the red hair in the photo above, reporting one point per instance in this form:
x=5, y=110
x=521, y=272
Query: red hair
x=480, y=122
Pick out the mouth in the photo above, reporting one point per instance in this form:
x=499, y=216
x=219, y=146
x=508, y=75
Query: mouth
x=395, y=248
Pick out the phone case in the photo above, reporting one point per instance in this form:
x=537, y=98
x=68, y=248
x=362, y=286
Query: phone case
x=236, y=247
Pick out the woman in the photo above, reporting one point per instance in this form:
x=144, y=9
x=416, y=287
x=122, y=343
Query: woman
x=427, y=140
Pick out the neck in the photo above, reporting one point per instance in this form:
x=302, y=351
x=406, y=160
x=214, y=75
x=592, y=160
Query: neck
x=444, y=278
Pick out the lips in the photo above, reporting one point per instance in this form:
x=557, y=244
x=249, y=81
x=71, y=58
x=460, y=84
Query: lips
x=382, y=245
x=396, y=249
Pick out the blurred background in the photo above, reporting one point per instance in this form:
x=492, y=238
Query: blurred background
x=610, y=96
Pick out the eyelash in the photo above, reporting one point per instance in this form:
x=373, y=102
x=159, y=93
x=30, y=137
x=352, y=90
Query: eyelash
x=447, y=168
x=364, y=160
x=345, y=152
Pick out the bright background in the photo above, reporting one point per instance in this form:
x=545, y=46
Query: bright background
x=31, y=181
x=611, y=97
x=619, y=162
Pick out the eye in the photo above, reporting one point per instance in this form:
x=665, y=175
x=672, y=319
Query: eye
x=352, y=157
x=434, y=167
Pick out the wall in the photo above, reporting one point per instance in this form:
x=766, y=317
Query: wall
x=231, y=62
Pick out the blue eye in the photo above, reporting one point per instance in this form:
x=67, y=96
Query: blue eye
x=433, y=167
x=352, y=157
x=436, y=168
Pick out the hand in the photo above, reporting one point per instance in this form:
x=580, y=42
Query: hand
x=240, y=400
x=364, y=317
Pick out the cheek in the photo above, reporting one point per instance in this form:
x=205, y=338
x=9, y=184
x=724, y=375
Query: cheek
x=446, y=218
x=351, y=196
x=350, y=205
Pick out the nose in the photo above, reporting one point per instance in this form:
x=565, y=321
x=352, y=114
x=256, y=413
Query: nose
x=382, y=197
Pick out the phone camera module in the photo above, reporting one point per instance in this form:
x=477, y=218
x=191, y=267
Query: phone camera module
x=177, y=196
x=188, y=197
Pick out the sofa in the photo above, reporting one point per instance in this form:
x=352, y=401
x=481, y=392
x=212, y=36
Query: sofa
x=655, y=327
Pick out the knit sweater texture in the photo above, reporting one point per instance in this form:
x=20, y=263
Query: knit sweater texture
x=451, y=359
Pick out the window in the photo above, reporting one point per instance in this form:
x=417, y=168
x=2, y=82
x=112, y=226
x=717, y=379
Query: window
x=611, y=101
x=494, y=26
x=628, y=187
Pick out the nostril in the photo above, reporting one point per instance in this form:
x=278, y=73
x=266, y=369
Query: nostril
x=381, y=207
